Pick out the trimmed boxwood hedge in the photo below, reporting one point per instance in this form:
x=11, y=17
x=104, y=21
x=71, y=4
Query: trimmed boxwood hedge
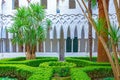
x=91, y=72
x=33, y=63
x=62, y=69
x=29, y=70
x=23, y=72
x=83, y=62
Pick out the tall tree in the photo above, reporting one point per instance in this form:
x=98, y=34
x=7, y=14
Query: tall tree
x=102, y=57
x=90, y=30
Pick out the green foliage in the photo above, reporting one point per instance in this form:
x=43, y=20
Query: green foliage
x=42, y=74
x=78, y=74
x=85, y=62
x=98, y=71
x=29, y=25
x=22, y=72
x=114, y=33
x=60, y=68
x=34, y=62
x=93, y=3
x=100, y=23
x=90, y=72
x=15, y=68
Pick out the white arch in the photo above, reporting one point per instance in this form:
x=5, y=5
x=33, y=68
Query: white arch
x=79, y=29
x=58, y=29
x=65, y=30
x=86, y=29
x=52, y=31
x=72, y=30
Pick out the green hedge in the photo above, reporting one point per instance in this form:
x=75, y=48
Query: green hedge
x=23, y=72
x=90, y=72
x=42, y=74
x=78, y=74
x=98, y=71
x=33, y=63
x=94, y=59
x=24, y=58
x=60, y=68
x=82, y=62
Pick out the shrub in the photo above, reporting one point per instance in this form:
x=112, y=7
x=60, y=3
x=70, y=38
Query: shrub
x=98, y=71
x=82, y=62
x=42, y=74
x=78, y=74
x=60, y=68
x=23, y=72
x=91, y=72
x=33, y=63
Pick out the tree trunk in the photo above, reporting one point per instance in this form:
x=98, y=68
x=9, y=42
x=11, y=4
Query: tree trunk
x=33, y=52
x=114, y=48
x=90, y=31
x=61, y=52
x=102, y=57
x=30, y=54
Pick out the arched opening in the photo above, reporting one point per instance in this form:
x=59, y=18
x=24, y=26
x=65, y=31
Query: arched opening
x=75, y=41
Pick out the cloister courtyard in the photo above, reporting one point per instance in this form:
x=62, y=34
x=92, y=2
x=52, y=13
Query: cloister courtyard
x=59, y=39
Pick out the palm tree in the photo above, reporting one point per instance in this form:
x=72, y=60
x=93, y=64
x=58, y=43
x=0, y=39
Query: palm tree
x=90, y=4
x=29, y=27
x=102, y=57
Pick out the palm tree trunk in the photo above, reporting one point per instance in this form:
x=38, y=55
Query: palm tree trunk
x=28, y=52
x=33, y=52
x=61, y=52
x=102, y=57
x=90, y=31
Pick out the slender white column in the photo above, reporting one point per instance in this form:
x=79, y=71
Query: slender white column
x=72, y=46
x=37, y=46
x=17, y=47
x=44, y=47
x=23, y=47
x=58, y=45
x=51, y=45
x=10, y=46
x=86, y=46
x=78, y=45
x=93, y=45
x=65, y=45
x=4, y=47
x=0, y=46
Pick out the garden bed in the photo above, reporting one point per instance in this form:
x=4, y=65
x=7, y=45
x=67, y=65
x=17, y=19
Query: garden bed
x=50, y=69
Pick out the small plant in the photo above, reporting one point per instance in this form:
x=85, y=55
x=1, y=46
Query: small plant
x=61, y=69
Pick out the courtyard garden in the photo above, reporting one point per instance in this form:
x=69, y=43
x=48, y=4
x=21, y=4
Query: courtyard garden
x=49, y=68
x=30, y=27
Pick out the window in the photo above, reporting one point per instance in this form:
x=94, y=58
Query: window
x=15, y=4
x=72, y=4
x=44, y=3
